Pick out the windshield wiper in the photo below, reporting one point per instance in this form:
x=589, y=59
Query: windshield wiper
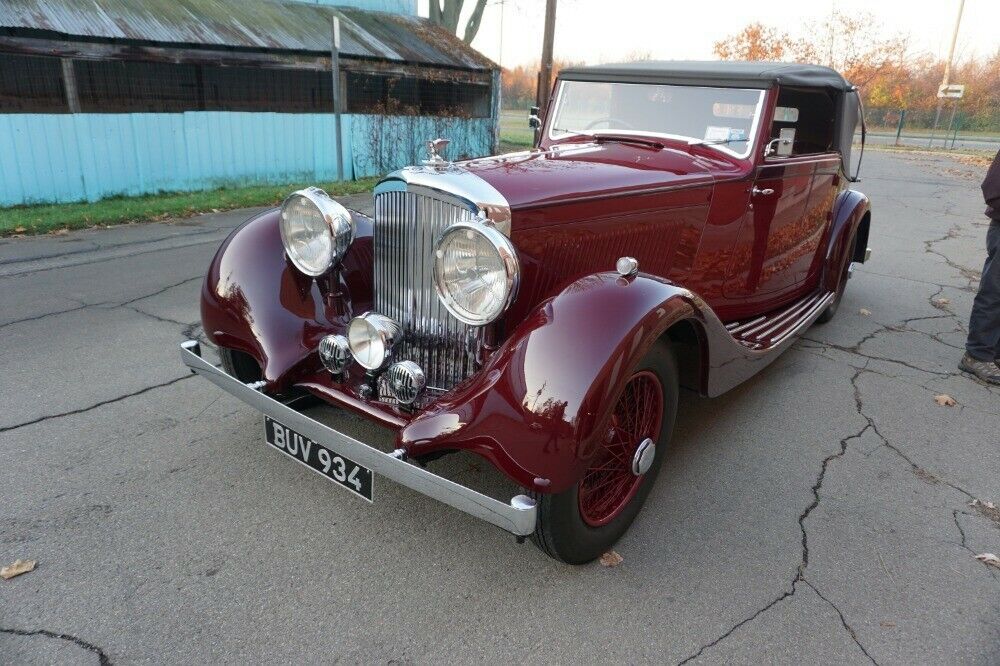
x=702, y=142
x=627, y=138
x=601, y=137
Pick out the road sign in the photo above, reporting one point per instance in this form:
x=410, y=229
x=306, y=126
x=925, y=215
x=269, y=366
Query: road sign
x=951, y=91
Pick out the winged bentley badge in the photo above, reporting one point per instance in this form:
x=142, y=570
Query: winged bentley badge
x=434, y=149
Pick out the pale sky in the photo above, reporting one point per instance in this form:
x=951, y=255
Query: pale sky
x=596, y=31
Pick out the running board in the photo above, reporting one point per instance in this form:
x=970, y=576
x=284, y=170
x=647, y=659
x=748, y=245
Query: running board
x=771, y=329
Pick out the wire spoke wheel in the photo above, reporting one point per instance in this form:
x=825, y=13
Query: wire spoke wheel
x=609, y=483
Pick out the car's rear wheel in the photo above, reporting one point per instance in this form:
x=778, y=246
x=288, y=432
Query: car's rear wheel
x=240, y=365
x=845, y=274
x=580, y=524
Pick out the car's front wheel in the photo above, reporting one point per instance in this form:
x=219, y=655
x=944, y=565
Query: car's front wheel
x=240, y=365
x=580, y=524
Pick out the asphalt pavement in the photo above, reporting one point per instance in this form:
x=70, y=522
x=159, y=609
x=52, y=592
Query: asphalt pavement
x=828, y=510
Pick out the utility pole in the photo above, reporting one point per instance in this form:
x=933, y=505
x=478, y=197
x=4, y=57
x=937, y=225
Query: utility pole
x=947, y=68
x=503, y=6
x=545, y=71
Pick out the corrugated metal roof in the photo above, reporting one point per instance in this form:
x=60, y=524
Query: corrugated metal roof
x=257, y=24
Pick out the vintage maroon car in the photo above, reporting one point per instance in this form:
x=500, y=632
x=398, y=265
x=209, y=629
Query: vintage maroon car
x=678, y=224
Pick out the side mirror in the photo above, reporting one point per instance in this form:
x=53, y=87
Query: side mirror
x=534, y=122
x=782, y=146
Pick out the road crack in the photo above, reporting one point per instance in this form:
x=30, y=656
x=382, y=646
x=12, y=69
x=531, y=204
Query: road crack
x=102, y=656
x=102, y=403
x=105, y=304
x=850, y=630
x=800, y=573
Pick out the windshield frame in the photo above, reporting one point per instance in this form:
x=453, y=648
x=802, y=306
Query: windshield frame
x=751, y=135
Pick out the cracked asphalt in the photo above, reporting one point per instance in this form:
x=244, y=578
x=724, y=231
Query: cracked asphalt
x=822, y=512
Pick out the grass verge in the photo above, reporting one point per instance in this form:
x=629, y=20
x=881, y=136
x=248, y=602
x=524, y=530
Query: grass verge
x=123, y=210
x=967, y=155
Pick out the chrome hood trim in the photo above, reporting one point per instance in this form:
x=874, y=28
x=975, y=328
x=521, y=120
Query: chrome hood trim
x=457, y=183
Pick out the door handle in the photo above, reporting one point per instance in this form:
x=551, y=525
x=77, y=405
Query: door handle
x=757, y=192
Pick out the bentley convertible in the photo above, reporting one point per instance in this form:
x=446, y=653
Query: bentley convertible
x=677, y=224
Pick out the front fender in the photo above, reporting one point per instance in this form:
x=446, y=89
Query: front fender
x=255, y=301
x=850, y=209
x=538, y=407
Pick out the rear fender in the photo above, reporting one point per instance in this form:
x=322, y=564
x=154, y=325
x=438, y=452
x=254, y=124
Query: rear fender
x=851, y=208
x=537, y=409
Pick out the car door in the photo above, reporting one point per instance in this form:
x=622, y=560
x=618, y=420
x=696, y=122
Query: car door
x=778, y=253
x=776, y=237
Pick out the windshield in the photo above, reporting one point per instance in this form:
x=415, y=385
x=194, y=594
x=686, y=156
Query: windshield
x=723, y=117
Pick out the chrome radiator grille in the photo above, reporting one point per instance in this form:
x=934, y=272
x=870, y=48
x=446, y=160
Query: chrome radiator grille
x=406, y=226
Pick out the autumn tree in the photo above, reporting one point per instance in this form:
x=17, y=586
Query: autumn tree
x=518, y=84
x=448, y=13
x=854, y=45
x=754, y=42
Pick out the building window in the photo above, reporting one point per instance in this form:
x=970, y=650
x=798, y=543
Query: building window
x=398, y=95
x=136, y=87
x=31, y=84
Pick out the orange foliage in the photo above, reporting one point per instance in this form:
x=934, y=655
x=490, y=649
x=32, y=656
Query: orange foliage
x=879, y=63
x=754, y=42
x=518, y=85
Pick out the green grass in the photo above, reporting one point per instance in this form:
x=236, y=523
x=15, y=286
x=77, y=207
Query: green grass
x=124, y=210
x=514, y=130
x=977, y=155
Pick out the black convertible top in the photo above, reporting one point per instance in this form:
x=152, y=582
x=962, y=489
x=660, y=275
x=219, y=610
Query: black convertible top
x=728, y=74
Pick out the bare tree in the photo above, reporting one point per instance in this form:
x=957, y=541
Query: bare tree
x=447, y=14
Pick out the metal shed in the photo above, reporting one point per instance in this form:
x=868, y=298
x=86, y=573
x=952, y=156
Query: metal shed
x=200, y=93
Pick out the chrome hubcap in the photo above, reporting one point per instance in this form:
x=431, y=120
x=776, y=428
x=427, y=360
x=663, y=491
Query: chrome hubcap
x=643, y=458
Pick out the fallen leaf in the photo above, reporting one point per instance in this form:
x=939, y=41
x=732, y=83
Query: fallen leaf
x=611, y=559
x=60, y=232
x=865, y=312
x=945, y=400
x=940, y=303
x=19, y=567
x=989, y=559
x=19, y=230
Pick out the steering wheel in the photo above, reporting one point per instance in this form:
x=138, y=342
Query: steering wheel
x=610, y=119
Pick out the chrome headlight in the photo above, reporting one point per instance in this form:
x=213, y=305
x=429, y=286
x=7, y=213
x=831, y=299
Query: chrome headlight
x=315, y=230
x=371, y=338
x=475, y=272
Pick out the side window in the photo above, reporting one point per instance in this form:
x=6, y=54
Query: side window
x=806, y=117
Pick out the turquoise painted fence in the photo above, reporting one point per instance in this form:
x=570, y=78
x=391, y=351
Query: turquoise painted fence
x=86, y=157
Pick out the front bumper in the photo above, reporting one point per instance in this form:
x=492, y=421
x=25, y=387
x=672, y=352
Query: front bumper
x=517, y=517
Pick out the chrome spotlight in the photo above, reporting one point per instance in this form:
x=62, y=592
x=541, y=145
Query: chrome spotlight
x=406, y=381
x=335, y=353
x=371, y=338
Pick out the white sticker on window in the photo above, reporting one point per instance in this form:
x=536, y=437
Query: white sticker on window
x=713, y=133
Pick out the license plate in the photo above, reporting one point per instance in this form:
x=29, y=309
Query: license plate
x=342, y=471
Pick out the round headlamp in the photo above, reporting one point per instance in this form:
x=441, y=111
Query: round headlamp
x=475, y=272
x=335, y=353
x=371, y=337
x=315, y=230
x=406, y=381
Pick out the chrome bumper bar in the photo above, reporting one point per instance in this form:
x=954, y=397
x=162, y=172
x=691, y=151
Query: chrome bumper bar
x=517, y=517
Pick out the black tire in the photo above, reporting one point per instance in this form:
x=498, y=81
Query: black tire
x=240, y=365
x=831, y=309
x=561, y=531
